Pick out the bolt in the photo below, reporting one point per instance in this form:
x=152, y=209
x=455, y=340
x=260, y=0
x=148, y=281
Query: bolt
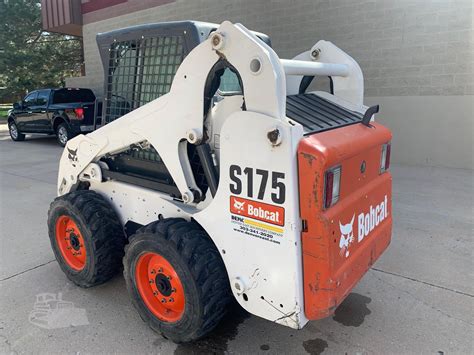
x=155, y=293
x=153, y=271
x=160, y=269
x=216, y=40
x=315, y=53
x=274, y=136
x=151, y=281
x=173, y=290
x=69, y=248
x=171, y=299
x=163, y=300
x=168, y=277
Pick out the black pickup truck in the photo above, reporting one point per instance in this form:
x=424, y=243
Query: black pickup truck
x=65, y=112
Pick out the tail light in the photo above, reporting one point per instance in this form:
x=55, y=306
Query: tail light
x=332, y=183
x=79, y=112
x=385, y=158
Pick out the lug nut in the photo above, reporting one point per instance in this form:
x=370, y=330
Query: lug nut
x=153, y=271
x=171, y=299
x=155, y=293
x=151, y=281
x=163, y=300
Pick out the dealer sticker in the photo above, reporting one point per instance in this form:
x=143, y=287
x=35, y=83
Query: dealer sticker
x=248, y=216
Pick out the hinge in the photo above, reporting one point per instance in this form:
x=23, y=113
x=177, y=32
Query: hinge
x=304, y=225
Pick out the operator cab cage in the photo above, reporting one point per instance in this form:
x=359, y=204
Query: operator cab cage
x=140, y=61
x=139, y=64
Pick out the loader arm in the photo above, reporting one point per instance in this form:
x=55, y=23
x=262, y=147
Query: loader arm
x=171, y=120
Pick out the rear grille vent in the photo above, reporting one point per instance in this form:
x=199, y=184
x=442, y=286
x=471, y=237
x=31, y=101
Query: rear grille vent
x=316, y=114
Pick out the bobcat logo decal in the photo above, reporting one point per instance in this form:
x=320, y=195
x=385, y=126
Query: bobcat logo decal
x=347, y=237
x=72, y=156
x=239, y=205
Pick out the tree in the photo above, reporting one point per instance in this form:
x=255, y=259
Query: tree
x=31, y=58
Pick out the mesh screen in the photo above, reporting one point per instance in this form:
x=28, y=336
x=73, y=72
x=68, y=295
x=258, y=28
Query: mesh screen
x=140, y=71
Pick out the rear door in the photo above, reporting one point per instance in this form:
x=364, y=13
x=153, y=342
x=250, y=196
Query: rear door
x=24, y=115
x=40, y=120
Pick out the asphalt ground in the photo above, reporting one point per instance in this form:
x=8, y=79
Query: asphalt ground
x=417, y=298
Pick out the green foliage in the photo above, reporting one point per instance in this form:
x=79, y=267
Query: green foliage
x=29, y=57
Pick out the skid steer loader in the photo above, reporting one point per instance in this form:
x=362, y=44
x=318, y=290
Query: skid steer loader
x=216, y=175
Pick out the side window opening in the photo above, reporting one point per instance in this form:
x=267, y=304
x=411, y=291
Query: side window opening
x=230, y=84
x=30, y=100
x=140, y=71
x=43, y=98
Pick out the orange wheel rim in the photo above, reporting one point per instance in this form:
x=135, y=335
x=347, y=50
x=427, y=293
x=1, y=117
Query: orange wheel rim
x=160, y=287
x=70, y=243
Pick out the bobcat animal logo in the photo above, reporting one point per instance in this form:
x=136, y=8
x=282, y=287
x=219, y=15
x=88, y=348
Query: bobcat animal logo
x=347, y=237
x=239, y=204
x=72, y=156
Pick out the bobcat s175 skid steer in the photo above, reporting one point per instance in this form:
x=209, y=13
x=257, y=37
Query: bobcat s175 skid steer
x=232, y=181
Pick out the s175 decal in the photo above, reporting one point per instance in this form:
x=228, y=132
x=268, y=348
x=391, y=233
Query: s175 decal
x=238, y=181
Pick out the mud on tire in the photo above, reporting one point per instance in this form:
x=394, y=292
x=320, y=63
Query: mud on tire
x=199, y=269
x=83, y=222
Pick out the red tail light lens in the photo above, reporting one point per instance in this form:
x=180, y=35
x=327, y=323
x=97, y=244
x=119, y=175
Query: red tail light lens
x=79, y=113
x=332, y=182
x=385, y=157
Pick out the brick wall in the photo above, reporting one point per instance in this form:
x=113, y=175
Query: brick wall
x=417, y=57
x=422, y=47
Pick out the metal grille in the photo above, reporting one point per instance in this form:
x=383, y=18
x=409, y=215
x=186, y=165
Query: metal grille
x=140, y=71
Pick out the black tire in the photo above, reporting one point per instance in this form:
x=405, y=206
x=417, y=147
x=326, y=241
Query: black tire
x=199, y=266
x=63, y=134
x=102, y=233
x=15, y=134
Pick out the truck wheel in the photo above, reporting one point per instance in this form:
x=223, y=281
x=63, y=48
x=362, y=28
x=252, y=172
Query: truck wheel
x=63, y=134
x=15, y=134
x=86, y=236
x=176, y=279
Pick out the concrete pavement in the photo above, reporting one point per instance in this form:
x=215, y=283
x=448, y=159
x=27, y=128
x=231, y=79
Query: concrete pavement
x=417, y=298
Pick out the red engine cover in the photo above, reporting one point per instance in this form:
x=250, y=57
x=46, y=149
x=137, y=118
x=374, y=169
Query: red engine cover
x=342, y=242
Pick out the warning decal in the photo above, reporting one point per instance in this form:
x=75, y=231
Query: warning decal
x=257, y=210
